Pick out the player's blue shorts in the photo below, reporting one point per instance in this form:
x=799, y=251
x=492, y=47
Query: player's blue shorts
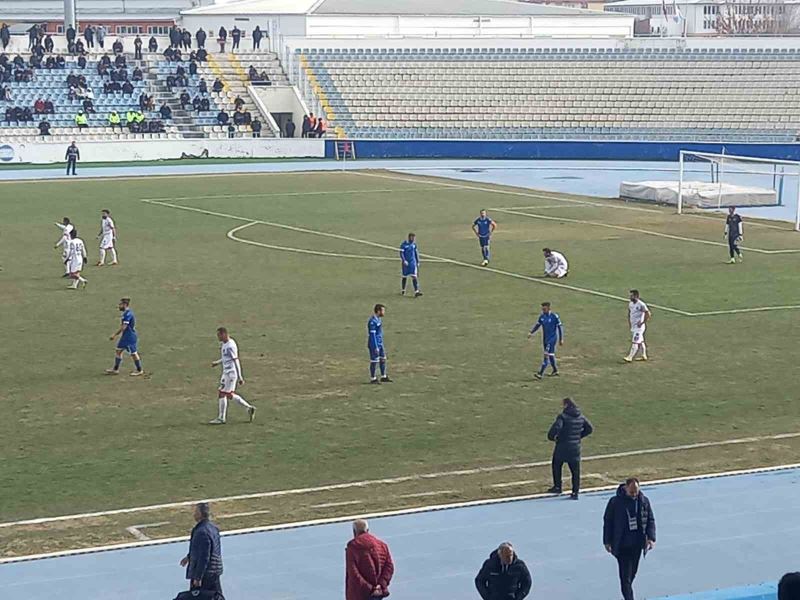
x=376, y=353
x=550, y=346
x=484, y=240
x=410, y=269
x=129, y=345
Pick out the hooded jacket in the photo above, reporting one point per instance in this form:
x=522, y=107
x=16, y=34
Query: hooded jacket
x=567, y=431
x=615, y=520
x=496, y=581
x=368, y=564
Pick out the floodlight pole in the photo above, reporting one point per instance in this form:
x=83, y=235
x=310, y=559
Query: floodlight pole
x=70, y=12
x=680, y=182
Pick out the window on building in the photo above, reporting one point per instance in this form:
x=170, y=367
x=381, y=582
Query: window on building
x=158, y=30
x=128, y=29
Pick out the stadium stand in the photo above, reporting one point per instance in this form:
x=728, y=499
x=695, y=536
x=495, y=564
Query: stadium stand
x=564, y=93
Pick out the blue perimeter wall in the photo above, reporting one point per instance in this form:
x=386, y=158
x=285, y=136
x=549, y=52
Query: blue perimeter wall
x=556, y=150
x=762, y=591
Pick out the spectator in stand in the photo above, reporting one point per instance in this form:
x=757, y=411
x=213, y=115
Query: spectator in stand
x=80, y=49
x=218, y=86
x=137, y=48
x=196, y=103
x=222, y=118
x=629, y=528
x=102, y=69
x=239, y=118
x=137, y=74
x=5, y=36
x=193, y=68
x=127, y=89
x=49, y=109
x=238, y=103
x=202, y=86
x=178, y=56
x=38, y=106
x=256, y=127
x=70, y=33
x=130, y=117
x=231, y=131
x=100, y=33
x=236, y=35
x=33, y=34
x=88, y=106
x=19, y=62
x=312, y=124
x=184, y=99
x=88, y=35
x=503, y=576
x=105, y=60
x=10, y=115
x=252, y=73
x=200, y=36
x=789, y=587
x=120, y=61
x=174, y=36
x=4, y=93
x=187, y=39
x=152, y=44
x=156, y=126
x=368, y=565
x=81, y=62
x=81, y=121
x=204, y=561
x=44, y=127
x=319, y=130
x=567, y=431
x=166, y=112
x=257, y=35
x=202, y=55
x=114, y=120
x=306, y=126
x=61, y=62
x=26, y=115
x=171, y=81
x=169, y=53
x=117, y=46
x=205, y=104
x=290, y=128
x=48, y=44
x=222, y=38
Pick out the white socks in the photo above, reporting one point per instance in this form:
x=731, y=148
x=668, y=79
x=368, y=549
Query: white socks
x=102, y=256
x=635, y=348
x=113, y=255
x=223, y=408
x=644, y=350
x=242, y=401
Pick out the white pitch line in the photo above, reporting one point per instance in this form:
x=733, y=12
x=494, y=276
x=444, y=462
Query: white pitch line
x=395, y=480
x=736, y=311
x=250, y=513
x=279, y=194
x=389, y=513
x=428, y=494
x=335, y=504
x=136, y=530
x=637, y=230
x=513, y=483
x=232, y=236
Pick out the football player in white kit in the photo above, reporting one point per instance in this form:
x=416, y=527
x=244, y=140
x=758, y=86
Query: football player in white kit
x=76, y=259
x=555, y=264
x=107, y=237
x=231, y=375
x=638, y=316
x=66, y=227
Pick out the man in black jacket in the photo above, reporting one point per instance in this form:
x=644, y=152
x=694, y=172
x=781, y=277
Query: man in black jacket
x=567, y=431
x=503, y=576
x=629, y=527
x=204, y=561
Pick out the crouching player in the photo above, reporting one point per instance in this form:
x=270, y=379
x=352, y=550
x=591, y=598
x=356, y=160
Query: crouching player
x=555, y=264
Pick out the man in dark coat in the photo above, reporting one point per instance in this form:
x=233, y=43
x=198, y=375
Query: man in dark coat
x=5, y=35
x=629, y=527
x=204, y=561
x=200, y=36
x=290, y=128
x=236, y=34
x=567, y=431
x=257, y=35
x=503, y=576
x=88, y=35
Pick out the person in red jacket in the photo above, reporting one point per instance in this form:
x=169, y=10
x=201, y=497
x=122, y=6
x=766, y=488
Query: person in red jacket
x=368, y=565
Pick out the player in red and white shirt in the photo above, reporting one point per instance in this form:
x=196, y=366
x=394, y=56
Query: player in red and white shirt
x=638, y=316
x=108, y=238
x=231, y=375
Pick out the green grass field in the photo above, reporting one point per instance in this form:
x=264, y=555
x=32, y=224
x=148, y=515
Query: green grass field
x=74, y=440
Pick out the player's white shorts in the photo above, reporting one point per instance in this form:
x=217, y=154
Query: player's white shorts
x=227, y=382
x=75, y=265
x=638, y=334
x=107, y=241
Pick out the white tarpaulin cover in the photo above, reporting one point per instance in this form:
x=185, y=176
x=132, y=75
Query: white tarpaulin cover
x=698, y=193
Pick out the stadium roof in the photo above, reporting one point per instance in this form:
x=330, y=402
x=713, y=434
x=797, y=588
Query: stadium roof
x=387, y=7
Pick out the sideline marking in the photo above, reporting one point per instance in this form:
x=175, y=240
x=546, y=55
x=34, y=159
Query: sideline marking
x=278, y=194
x=335, y=504
x=399, y=479
x=638, y=230
x=250, y=513
x=136, y=530
x=392, y=513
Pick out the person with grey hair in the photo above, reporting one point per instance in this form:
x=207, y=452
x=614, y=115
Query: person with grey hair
x=504, y=576
x=204, y=561
x=368, y=565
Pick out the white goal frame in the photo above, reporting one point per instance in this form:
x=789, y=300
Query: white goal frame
x=793, y=171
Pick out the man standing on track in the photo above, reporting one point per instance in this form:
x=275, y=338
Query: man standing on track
x=72, y=156
x=735, y=233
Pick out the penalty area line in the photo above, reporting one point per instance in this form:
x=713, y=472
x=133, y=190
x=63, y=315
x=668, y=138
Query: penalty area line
x=395, y=513
x=398, y=479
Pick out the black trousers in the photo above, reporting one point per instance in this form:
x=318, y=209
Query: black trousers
x=733, y=245
x=71, y=162
x=628, y=562
x=137, y=53
x=574, y=463
x=209, y=583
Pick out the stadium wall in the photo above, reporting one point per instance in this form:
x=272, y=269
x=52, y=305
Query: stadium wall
x=557, y=150
x=136, y=150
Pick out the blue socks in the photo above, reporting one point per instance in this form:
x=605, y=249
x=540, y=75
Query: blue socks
x=372, y=366
x=403, y=283
x=485, y=251
x=117, y=363
x=138, y=364
x=543, y=367
x=415, y=282
x=383, y=368
x=553, y=363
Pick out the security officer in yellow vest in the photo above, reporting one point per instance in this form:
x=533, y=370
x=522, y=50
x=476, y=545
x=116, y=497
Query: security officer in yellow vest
x=114, y=120
x=81, y=121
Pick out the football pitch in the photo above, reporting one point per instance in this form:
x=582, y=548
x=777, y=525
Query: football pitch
x=292, y=264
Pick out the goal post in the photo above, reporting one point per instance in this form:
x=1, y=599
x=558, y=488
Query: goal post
x=709, y=180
